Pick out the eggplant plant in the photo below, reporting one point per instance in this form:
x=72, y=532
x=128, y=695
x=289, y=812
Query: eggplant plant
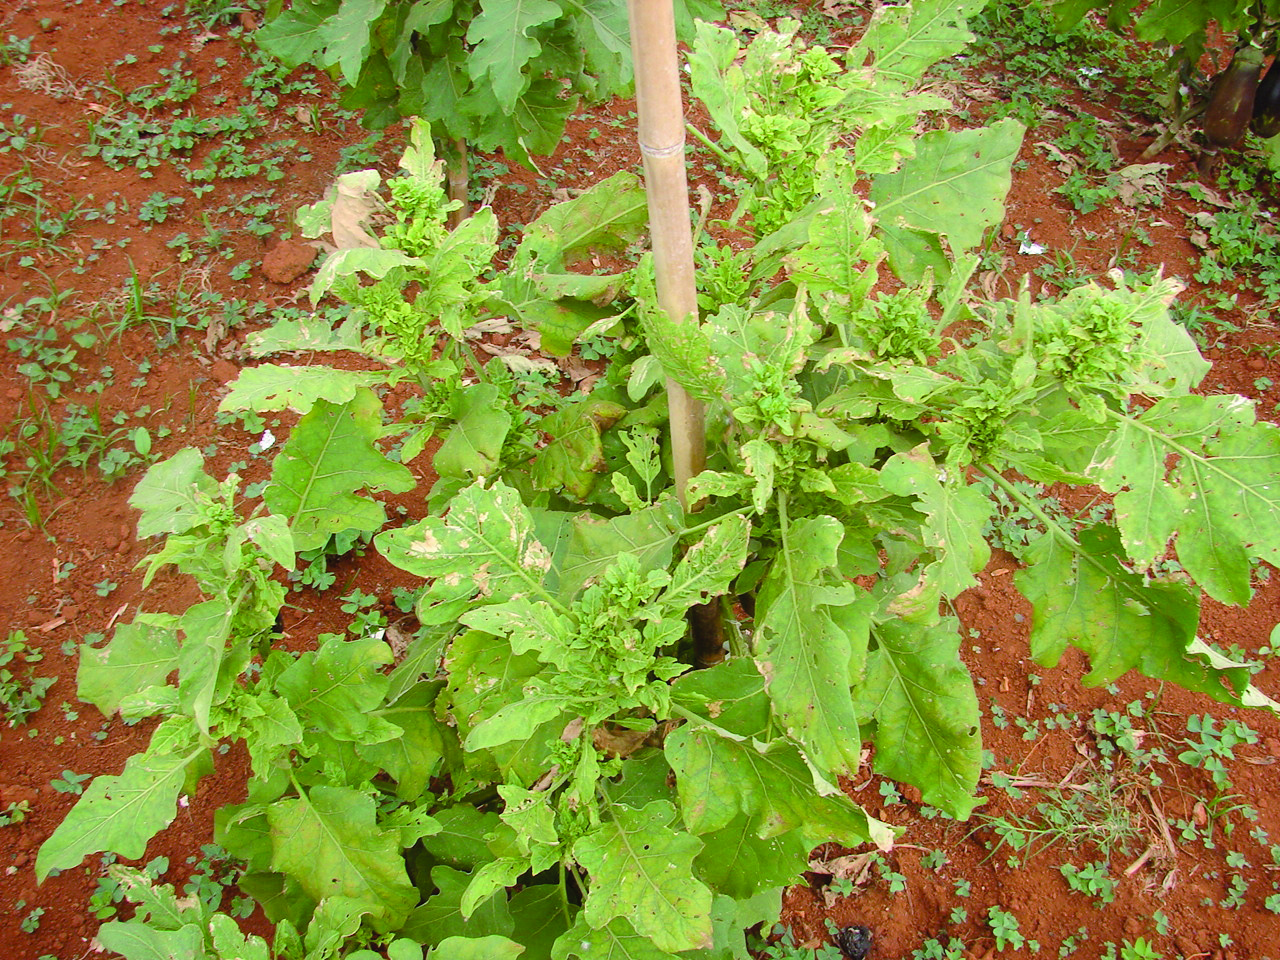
x=1232, y=102
x=536, y=769
x=484, y=74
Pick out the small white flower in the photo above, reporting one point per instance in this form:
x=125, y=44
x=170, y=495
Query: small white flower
x=268, y=439
x=1031, y=247
x=183, y=801
x=1090, y=71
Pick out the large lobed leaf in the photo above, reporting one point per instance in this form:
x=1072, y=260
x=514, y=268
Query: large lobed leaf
x=954, y=187
x=642, y=869
x=1220, y=498
x=330, y=456
x=329, y=841
x=1083, y=595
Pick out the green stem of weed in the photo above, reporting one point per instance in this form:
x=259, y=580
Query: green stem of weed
x=711, y=145
x=701, y=721
x=1033, y=508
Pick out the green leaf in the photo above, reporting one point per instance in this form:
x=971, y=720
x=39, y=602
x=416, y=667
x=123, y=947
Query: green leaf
x=441, y=916
x=293, y=35
x=122, y=813
x=139, y=941
x=173, y=494
x=615, y=940
x=721, y=779
x=1123, y=621
x=710, y=565
x=338, y=687
x=538, y=916
x=272, y=386
x=271, y=534
x=141, y=654
x=346, y=36
x=474, y=444
x=486, y=541
x=954, y=187
x=476, y=948
x=574, y=457
x=642, y=869
x=412, y=757
x=329, y=457
x=737, y=862
x=1219, y=498
x=921, y=696
x=956, y=515
x=904, y=41
x=718, y=81
x=502, y=47
x=329, y=841
x=606, y=218
x=839, y=259
x=804, y=646
x=375, y=262
x=206, y=628
x=595, y=543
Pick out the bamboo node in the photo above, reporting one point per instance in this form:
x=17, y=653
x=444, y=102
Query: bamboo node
x=671, y=151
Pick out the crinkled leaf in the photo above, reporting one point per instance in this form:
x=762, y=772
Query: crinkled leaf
x=642, y=869
x=330, y=456
x=329, y=841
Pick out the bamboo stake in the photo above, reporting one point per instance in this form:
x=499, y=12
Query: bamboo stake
x=661, y=135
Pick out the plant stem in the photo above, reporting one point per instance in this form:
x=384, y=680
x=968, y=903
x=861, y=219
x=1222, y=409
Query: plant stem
x=564, y=895
x=1031, y=507
x=710, y=145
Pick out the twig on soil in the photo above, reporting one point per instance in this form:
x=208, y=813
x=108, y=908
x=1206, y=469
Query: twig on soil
x=1163, y=824
x=1138, y=864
